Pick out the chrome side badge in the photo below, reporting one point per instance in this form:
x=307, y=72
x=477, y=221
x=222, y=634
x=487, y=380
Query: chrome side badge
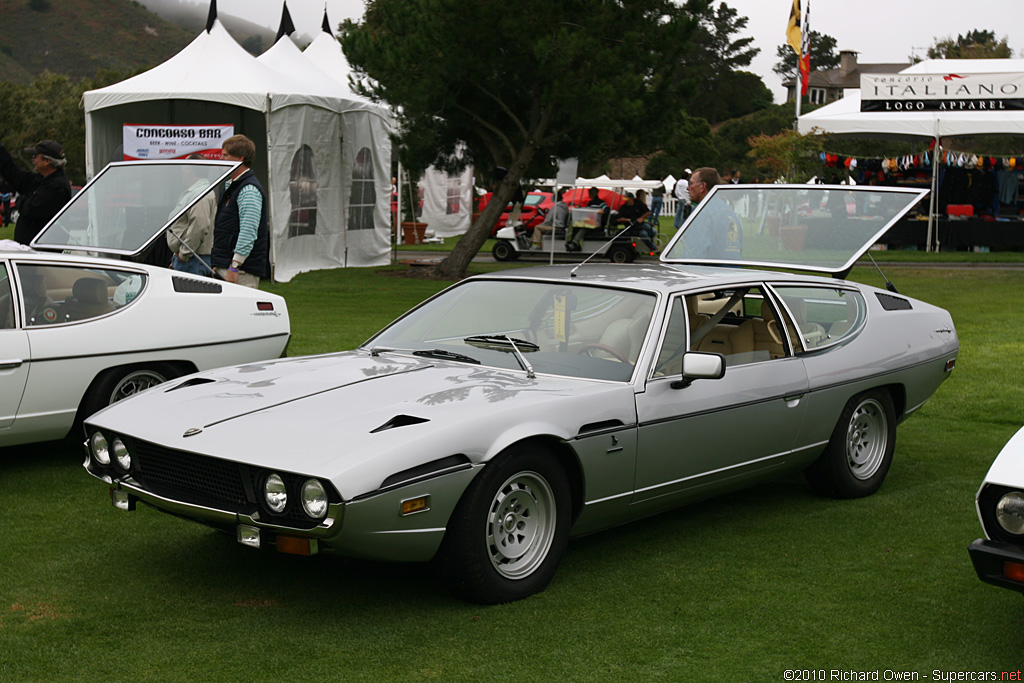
x=192, y=432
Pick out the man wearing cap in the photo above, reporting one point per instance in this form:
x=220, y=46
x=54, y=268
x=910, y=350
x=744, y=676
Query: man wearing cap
x=43, y=191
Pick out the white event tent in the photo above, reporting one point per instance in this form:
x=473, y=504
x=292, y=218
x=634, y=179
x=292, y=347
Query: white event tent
x=844, y=116
x=322, y=153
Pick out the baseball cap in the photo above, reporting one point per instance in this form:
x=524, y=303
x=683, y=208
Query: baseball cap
x=47, y=148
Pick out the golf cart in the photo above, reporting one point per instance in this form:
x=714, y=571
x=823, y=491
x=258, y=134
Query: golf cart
x=619, y=244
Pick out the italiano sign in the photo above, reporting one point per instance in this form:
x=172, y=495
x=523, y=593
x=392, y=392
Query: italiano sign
x=942, y=92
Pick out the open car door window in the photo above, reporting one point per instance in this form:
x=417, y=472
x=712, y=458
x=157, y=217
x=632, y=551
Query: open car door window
x=817, y=228
x=129, y=204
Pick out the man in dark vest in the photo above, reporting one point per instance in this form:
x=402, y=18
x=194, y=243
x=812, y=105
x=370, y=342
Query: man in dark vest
x=44, y=191
x=241, y=236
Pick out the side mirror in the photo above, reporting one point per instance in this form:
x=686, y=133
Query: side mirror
x=698, y=365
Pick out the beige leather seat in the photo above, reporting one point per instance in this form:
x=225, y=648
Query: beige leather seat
x=88, y=299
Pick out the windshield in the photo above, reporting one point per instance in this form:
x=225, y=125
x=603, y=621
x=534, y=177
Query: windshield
x=129, y=204
x=574, y=331
x=807, y=227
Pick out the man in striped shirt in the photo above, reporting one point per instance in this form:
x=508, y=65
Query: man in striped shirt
x=241, y=236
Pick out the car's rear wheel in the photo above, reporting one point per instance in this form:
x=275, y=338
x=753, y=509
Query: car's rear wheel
x=120, y=383
x=508, y=533
x=859, y=453
x=620, y=254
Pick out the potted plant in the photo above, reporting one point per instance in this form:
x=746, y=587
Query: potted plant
x=413, y=230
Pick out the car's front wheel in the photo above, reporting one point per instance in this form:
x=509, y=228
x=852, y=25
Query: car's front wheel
x=859, y=453
x=503, y=251
x=508, y=533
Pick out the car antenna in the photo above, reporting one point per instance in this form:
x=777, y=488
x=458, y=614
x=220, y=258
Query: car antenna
x=888, y=285
x=572, y=273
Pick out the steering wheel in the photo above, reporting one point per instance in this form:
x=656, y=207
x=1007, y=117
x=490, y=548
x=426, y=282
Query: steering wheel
x=586, y=348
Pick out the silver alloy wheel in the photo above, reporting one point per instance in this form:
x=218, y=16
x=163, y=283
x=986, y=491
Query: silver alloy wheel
x=134, y=382
x=521, y=525
x=866, y=438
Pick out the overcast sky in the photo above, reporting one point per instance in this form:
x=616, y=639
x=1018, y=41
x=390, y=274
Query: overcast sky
x=880, y=30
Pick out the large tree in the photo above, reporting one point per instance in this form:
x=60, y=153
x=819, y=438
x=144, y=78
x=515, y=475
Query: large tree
x=512, y=84
x=713, y=62
x=823, y=56
x=974, y=45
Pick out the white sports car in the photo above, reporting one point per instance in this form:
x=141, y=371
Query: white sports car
x=514, y=409
x=999, y=557
x=79, y=332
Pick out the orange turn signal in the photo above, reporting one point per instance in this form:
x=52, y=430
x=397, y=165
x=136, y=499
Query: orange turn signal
x=413, y=505
x=296, y=545
x=1013, y=571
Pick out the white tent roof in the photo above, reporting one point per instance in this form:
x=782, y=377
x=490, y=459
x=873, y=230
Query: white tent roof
x=307, y=78
x=844, y=117
x=214, y=68
x=326, y=53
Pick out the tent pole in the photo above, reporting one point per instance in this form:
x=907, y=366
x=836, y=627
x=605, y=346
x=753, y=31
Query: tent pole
x=933, y=203
x=270, y=184
x=398, y=215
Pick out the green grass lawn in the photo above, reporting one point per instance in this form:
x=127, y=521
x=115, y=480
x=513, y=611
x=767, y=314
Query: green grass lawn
x=739, y=588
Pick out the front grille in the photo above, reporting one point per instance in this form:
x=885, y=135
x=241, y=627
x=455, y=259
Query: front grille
x=191, y=478
x=215, y=483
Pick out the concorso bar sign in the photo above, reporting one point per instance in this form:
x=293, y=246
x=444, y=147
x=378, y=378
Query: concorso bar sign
x=942, y=92
x=158, y=141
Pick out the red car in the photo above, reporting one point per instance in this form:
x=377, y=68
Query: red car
x=535, y=207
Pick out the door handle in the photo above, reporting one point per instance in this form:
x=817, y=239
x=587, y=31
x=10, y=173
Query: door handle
x=10, y=364
x=793, y=400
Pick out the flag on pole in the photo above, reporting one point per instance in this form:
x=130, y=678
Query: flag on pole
x=805, y=49
x=793, y=28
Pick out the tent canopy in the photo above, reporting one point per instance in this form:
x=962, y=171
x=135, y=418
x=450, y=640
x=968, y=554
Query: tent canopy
x=323, y=154
x=844, y=117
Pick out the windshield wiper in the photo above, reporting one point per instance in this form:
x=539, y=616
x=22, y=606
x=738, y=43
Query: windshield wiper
x=440, y=354
x=502, y=342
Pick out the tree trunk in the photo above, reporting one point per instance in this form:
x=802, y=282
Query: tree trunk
x=454, y=266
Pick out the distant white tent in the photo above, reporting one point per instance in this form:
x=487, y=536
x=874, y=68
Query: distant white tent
x=844, y=117
x=323, y=154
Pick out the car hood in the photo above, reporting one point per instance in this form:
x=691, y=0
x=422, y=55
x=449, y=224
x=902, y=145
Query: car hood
x=1008, y=467
x=357, y=418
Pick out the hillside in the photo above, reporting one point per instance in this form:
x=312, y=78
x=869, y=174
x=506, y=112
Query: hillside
x=81, y=37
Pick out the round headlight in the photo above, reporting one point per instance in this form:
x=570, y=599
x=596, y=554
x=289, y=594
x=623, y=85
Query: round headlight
x=274, y=493
x=314, y=499
x=100, y=449
x=1010, y=513
x=124, y=458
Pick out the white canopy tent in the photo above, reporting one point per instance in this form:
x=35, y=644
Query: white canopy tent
x=323, y=155
x=844, y=116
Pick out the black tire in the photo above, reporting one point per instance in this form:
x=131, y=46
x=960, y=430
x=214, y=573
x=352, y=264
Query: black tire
x=620, y=254
x=859, y=453
x=524, y=490
x=503, y=251
x=119, y=383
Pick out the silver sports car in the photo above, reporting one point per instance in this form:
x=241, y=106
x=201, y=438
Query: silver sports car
x=493, y=421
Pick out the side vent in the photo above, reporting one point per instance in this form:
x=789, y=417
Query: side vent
x=893, y=303
x=399, y=421
x=194, y=382
x=190, y=286
x=436, y=468
x=597, y=427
